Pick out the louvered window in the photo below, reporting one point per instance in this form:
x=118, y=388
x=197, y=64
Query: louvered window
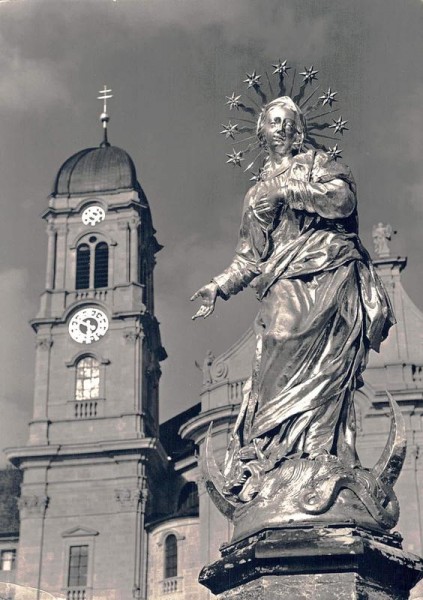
x=82, y=267
x=92, y=265
x=101, y=270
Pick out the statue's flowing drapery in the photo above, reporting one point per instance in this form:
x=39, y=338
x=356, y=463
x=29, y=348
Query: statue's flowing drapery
x=322, y=309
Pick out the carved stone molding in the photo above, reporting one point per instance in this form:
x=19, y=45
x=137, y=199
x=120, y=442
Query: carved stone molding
x=131, y=336
x=128, y=498
x=167, y=532
x=122, y=224
x=51, y=227
x=44, y=343
x=134, y=222
x=32, y=505
x=219, y=370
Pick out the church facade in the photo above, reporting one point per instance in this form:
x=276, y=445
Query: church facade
x=112, y=505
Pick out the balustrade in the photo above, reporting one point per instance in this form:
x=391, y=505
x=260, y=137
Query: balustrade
x=76, y=593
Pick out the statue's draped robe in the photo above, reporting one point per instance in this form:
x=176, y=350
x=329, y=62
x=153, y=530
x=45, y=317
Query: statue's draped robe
x=322, y=309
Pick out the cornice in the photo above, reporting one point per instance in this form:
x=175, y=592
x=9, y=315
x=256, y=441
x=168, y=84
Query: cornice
x=43, y=453
x=196, y=428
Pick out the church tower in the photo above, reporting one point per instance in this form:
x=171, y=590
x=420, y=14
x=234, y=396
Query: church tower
x=93, y=453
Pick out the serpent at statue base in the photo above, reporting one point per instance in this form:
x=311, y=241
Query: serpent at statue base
x=322, y=491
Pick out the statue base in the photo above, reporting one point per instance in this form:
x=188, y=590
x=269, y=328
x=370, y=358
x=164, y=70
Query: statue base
x=320, y=563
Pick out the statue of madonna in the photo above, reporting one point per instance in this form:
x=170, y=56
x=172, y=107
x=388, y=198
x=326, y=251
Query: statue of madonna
x=322, y=308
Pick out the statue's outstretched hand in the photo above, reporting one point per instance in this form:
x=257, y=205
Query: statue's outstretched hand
x=208, y=295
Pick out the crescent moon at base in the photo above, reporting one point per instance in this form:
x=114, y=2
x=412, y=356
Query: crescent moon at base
x=363, y=482
x=388, y=467
x=214, y=479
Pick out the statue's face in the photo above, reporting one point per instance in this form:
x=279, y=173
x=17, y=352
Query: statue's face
x=279, y=130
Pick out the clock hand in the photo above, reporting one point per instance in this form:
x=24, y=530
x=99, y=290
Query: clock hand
x=90, y=327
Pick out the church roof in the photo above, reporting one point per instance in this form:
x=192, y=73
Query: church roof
x=175, y=446
x=103, y=169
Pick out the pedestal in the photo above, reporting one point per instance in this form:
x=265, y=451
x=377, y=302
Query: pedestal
x=312, y=563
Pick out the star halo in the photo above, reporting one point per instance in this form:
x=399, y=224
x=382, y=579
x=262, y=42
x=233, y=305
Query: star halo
x=314, y=108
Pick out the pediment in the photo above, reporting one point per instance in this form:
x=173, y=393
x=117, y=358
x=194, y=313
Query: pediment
x=80, y=532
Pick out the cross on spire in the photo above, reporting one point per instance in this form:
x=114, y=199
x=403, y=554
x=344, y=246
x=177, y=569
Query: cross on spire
x=105, y=94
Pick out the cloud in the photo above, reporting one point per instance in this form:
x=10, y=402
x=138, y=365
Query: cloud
x=409, y=124
x=242, y=22
x=406, y=132
x=36, y=71
x=194, y=260
x=414, y=193
x=28, y=82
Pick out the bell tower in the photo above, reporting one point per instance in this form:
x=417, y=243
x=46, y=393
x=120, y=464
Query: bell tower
x=93, y=451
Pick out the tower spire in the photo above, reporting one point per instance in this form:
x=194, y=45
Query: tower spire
x=105, y=94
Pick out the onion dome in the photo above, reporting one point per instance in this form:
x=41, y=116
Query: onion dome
x=92, y=170
x=103, y=169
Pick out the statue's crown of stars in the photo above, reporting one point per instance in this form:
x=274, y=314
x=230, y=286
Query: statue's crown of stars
x=313, y=113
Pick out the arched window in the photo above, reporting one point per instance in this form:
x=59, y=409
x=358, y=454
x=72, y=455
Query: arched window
x=101, y=269
x=92, y=264
x=87, y=379
x=82, y=267
x=188, y=499
x=7, y=560
x=171, y=557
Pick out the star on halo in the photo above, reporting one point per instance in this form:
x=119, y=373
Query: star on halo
x=328, y=97
x=335, y=152
x=233, y=101
x=235, y=158
x=256, y=177
x=309, y=74
x=281, y=68
x=252, y=79
x=338, y=126
x=229, y=130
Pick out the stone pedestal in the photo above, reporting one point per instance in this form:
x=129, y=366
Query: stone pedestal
x=312, y=563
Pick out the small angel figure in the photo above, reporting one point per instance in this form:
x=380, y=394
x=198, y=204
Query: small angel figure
x=206, y=368
x=381, y=235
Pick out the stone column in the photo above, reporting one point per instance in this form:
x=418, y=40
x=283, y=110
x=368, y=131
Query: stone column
x=51, y=252
x=133, y=225
x=38, y=427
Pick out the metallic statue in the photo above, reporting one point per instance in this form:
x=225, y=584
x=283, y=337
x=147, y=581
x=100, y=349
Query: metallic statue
x=292, y=456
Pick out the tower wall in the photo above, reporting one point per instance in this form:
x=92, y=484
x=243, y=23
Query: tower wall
x=93, y=463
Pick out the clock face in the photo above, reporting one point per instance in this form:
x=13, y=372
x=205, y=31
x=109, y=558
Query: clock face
x=88, y=325
x=93, y=215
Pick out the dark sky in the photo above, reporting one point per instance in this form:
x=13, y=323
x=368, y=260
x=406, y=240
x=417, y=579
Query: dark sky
x=170, y=64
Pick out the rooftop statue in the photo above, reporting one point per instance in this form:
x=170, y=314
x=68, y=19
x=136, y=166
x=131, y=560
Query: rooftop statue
x=382, y=234
x=292, y=456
